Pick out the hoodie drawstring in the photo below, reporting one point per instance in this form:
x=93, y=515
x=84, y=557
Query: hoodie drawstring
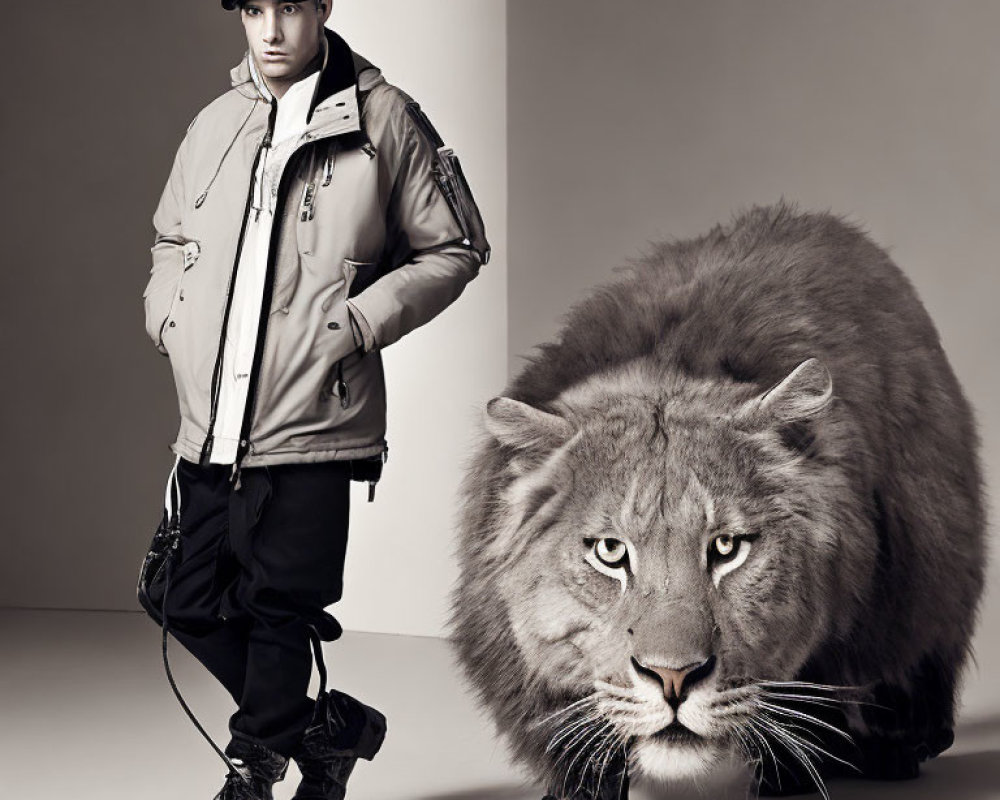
x=204, y=195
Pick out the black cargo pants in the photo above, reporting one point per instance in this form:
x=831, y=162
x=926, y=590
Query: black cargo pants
x=258, y=566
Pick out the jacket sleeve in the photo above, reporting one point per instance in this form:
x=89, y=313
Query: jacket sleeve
x=433, y=250
x=168, y=252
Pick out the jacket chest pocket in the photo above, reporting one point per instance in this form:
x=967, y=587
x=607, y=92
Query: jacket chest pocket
x=315, y=178
x=337, y=205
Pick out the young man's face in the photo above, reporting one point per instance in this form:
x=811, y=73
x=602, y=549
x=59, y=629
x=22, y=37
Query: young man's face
x=284, y=37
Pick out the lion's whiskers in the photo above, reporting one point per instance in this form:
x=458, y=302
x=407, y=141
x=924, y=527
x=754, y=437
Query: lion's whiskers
x=803, y=716
x=572, y=729
x=755, y=714
x=568, y=710
x=600, y=751
x=586, y=733
x=582, y=750
x=797, y=747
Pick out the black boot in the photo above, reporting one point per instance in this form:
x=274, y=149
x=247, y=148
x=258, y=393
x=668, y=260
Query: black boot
x=324, y=778
x=257, y=770
x=341, y=731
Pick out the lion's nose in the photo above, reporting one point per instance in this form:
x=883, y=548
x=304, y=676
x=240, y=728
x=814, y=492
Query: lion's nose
x=676, y=681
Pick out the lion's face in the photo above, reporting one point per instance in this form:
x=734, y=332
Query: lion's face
x=666, y=569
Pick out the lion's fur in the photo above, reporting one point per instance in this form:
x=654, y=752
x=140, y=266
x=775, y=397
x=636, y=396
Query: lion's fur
x=871, y=563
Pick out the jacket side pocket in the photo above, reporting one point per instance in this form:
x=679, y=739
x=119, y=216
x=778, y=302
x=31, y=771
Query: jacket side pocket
x=166, y=287
x=360, y=275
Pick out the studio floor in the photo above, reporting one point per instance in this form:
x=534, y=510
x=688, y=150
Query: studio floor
x=86, y=713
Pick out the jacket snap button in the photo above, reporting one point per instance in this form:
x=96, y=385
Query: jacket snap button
x=333, y=326
x=173, y=324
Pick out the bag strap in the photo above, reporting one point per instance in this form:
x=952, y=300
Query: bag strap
x=173, y=487
x=173, y=515
x=317, y=647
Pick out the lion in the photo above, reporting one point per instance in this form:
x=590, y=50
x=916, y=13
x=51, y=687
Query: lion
x=732, y=514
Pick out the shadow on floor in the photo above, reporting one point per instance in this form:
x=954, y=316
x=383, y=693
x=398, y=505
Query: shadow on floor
x=979, y=726
x=968, y=776
x=488, y=793
x=960, y=776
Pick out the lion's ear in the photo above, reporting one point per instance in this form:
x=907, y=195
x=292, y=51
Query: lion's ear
x=523, y=427
x=806, y=393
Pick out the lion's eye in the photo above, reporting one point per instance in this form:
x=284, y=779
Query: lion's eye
x=611, y=552
x=727, y=552
x=723, y=546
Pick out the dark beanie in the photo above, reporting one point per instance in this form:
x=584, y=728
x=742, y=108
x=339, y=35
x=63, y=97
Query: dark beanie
x=229, y=5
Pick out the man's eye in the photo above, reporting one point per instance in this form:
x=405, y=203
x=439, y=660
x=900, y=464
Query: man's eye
x=291, y=8
x=611, y=552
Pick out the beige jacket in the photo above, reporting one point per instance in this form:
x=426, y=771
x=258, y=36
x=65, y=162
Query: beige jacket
x=374, y=221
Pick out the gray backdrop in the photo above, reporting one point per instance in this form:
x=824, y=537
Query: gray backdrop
x=100, y=97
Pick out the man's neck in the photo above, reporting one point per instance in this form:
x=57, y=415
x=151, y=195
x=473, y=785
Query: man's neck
x=279, y=87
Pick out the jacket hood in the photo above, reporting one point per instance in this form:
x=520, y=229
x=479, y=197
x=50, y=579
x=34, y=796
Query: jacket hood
x=342, y=68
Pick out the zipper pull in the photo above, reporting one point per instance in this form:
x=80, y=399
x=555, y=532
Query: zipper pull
x=308, y=201
x=371, y=491
x=206, y=450
x=343, y=390
x=235, y=476
x=369, y=149
x=257, y=189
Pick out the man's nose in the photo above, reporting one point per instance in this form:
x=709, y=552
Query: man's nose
x=272, y=27
x=676, y=680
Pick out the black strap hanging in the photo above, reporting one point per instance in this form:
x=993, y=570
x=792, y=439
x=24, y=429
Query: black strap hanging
x=165, y=549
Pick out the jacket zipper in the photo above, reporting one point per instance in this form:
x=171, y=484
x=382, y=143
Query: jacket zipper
x=206, y=449
x=262, y=323
x=265, y=313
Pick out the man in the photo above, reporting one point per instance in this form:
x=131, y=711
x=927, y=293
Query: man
x=312, y=217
